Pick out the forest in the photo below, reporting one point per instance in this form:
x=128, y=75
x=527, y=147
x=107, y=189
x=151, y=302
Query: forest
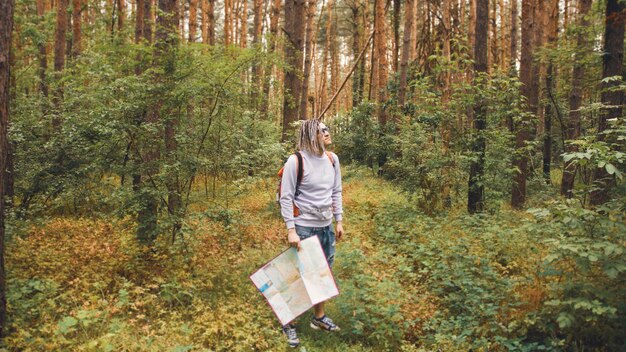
x=482, y=147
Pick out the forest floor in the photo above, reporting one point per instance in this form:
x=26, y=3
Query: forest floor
x=84, y=284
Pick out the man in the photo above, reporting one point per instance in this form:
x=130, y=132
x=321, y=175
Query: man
x=318, y=200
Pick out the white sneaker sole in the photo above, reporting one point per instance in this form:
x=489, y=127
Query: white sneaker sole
x=319, y=328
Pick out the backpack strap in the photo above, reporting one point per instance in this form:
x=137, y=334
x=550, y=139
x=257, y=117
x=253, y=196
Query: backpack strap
x=300, y=172
x=330, y=157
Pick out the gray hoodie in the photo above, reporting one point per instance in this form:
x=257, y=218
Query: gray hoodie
x=320, y=191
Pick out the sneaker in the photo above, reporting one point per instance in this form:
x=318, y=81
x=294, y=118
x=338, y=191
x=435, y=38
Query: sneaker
x=292, y=336
x=324, y=323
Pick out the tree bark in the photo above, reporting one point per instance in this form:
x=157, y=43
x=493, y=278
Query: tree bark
x=406, y=50
x=193, y=20
x=148, y=20
x=475, y=192
x=257, y=76
x=59, y=57
x=472, y=24
x=322, y=96
x=42, y=55
x=612, y=62
x=227, y=21
x=493, y=44
x=309, y=46
x=6, y=29
x=204, y=18
x=513, y=54
x=522, y=135
x=243, y=33
x=76, y=28
x=502, y=46
x=334, y=59
x=275, y=15
x=446, y=37
x=166, y=43
x=139, y=16
x=258, y=22
x=121, y=14
x=583, y=47
x=355, y=9
x=210, y=23
x=380, y=66
x=294, y=32
x=396, y=34
x=552, y=28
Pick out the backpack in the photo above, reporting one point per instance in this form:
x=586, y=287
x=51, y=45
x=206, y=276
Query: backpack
x=300, y=174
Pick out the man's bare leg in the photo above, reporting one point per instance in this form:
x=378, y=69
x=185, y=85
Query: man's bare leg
x=319, y=310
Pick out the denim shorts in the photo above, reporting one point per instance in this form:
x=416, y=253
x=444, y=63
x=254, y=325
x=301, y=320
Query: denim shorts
x=326, y=236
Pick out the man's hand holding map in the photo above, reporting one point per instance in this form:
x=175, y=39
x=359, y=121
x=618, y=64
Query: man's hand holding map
x=295, y=280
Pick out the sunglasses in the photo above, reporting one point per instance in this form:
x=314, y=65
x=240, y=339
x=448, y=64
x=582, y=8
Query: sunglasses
x=324, y=128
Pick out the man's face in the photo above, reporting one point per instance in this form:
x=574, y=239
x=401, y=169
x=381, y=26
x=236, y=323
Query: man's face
x=325, y=135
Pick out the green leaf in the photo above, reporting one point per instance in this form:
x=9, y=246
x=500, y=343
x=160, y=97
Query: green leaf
x=67, y=325
x=565, y=320
x=610, y=169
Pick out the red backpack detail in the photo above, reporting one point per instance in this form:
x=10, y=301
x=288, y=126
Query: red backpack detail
x=300, y=174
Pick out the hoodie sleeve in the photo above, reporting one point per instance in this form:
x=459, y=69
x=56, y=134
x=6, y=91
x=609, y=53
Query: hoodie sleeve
x=288, y=190
x=337, y=189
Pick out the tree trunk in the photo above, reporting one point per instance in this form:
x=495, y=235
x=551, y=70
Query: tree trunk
x=522, y=135
x=493, y=44
x=6, y=29
x=552, y=27
x=146, y=216
x=356, y=48
x=513, y=58
x=406, y=50
x=583, y=47
x=148, y=20
x=235, y=25
x=243, y=35
x=566, y=13
x=380, y=64
x=76, y=28
x=446, y=37
x=258, y=22
x=193, y=20
x=59, y=58
x=139, y=17
x=227, y=21
x=165, y=45
x=471, y=31
x=294, y=44
x=42, y=55
x=334, y=60
x=502, y=46
x=323, y=88
x=153, y=12
x=257, y=76
x=396, y=34
x=165, y=56
x=121, y=14
x=612, y=62
x=310, y=15
x=204, y=17
x=475, y=201
x=211, y=22
x=275, y=15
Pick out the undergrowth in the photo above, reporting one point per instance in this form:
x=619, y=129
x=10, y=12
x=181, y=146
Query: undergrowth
x=512, y=280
